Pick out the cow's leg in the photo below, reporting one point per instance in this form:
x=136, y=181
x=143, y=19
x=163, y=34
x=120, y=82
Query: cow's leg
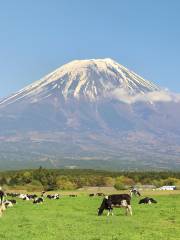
x=111, y=211
x=126, y=208
x=129, y=209
x=2, y=199
x=108, y=212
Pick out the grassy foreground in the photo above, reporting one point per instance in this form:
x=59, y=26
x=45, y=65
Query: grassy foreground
x=76, y=219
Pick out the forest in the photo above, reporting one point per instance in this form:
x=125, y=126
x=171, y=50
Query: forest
x=66, y=179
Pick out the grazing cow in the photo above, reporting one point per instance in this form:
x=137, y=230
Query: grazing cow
x=100, y=194
x=135, y=192
x=91, y=195
x=31, y=196
x=116, y=201
x=73, y=195
x=147, y=200
x=1, y=196
x=38, y=200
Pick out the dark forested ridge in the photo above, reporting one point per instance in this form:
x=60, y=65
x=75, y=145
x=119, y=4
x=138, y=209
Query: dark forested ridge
x=67, y=179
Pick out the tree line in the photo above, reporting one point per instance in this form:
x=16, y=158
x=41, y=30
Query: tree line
x=66, y=179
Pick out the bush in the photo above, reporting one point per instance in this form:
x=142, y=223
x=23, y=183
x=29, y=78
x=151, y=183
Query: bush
x=122, y=183
x=64, y=184
x=120, y=186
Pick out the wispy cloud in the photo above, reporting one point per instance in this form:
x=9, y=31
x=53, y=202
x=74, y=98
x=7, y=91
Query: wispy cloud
x=155, y=96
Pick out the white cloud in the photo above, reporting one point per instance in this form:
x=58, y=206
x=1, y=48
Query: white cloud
x=155, y=96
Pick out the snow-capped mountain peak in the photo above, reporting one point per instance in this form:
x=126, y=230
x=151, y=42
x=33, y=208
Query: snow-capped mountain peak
x=92, y=79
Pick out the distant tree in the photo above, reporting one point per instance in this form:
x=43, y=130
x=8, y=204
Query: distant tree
x=3, y=181
x=27, y=177
x=123, y=182
x=170, y=181
x=64, y=183
x=108, y=181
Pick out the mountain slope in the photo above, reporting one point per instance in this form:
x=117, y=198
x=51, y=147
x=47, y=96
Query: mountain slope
x=84, y=78
x=90, y=113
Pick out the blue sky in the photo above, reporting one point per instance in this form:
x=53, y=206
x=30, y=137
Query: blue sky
x=38, y=36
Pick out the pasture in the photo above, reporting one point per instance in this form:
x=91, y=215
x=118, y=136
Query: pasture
x=76, y=219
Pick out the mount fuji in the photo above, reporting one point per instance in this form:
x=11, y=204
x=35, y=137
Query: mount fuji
x=91, y=114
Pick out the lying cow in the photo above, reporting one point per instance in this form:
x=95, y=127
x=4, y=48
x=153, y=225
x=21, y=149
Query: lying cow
x=32, y=196
x=116, y=201
x=38, y=200
x=147, y=200
x=12, y=194
x=8, y=203
x=25, y=198
x=13, y=201
x=53, y=196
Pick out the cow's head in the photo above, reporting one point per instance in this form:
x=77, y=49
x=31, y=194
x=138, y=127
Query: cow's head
x=152, y=200
x=104, y=205
x=138, y=193
x=141, y=201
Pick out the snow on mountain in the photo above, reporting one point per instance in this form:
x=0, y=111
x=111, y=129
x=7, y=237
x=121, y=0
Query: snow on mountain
x=92, y=79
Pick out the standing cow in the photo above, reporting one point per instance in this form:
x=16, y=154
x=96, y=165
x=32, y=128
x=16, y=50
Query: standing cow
x=116, y=201
x=135, y=192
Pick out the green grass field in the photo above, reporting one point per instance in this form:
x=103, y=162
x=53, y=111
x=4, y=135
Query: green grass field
x=76, y=219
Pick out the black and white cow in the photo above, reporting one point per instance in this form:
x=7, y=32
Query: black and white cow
x=53, y=196
x=26, y=198
x=13, y=201
x=116, y=201
x=8, y=203
x=38, y=200
x=91, y=195
x=147, y=200
x=135, y=192
x=31, y=196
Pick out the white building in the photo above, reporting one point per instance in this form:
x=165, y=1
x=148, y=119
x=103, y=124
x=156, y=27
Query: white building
x=167, y=188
